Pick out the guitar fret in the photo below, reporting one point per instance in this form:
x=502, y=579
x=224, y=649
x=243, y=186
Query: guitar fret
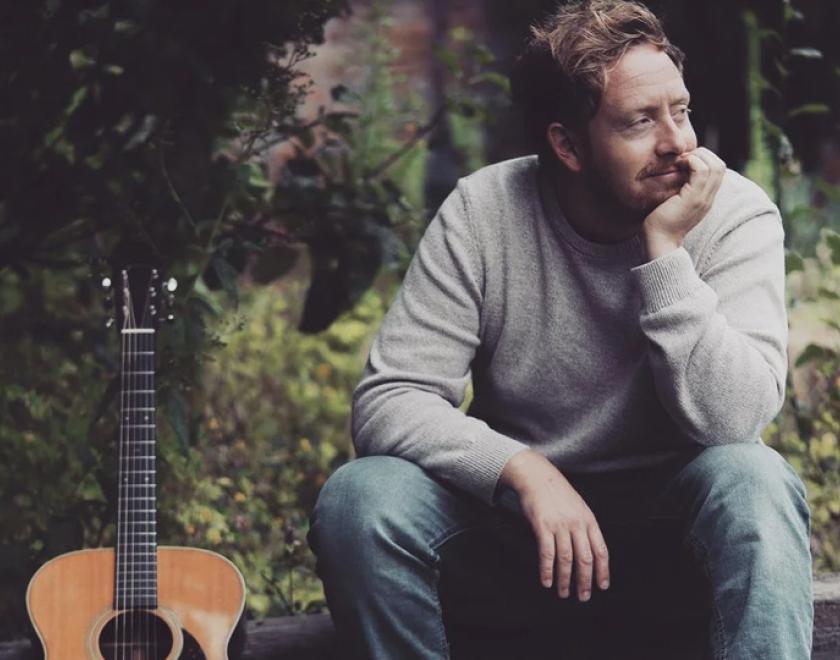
x=138, y=426
x=141, y=580
x=137, y=331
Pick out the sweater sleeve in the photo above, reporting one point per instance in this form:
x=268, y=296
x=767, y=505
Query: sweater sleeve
x=717, y=343
x=406, y=403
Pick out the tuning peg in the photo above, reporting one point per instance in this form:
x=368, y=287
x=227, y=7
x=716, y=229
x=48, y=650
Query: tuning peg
x=170, y=318
x=109, y=322
x=108, y=302
x=171, y=284
x=105, y=283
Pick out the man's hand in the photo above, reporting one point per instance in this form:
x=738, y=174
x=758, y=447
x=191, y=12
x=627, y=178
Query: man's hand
x=666, y=226
x=564, y=526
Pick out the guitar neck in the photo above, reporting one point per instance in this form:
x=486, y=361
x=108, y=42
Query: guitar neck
x=136, y=554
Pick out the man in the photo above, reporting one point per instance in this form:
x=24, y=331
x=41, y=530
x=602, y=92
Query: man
x=619, y=304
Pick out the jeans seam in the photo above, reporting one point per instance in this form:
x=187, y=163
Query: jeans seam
x=718, y=626
x=444, y=641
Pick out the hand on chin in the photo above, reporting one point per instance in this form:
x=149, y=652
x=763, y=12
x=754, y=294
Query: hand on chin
x=685, y=202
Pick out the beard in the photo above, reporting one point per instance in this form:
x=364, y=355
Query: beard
x=634, y=202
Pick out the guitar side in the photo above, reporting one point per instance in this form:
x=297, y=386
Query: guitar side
x=71, y=597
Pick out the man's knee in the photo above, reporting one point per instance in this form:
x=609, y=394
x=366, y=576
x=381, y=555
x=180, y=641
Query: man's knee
x=363, y=500
x=747, y=470
x=749, y=492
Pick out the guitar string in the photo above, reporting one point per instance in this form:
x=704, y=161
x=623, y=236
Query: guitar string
x=132, y=510
x=147, y=375
x=136, y=621
x=121, y=503
x=151, y=369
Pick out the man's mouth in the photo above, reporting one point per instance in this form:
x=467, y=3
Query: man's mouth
x=663, y=173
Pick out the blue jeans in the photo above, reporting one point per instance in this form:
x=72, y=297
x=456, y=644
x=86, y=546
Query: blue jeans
x=390, y=540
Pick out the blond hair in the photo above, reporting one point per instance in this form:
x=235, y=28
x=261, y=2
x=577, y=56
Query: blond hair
x=560, y=75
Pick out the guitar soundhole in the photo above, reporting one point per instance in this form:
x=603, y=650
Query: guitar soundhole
x=135, y=635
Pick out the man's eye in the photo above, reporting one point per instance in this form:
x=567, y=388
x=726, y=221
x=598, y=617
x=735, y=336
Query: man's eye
x=684, y=112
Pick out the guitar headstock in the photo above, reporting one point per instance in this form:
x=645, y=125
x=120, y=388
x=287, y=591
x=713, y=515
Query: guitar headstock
x=139, y=298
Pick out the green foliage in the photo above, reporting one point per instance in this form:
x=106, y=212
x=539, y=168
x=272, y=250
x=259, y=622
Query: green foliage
x=274, y=425
x=808, y=429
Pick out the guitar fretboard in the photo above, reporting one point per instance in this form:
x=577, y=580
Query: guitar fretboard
x=136, y=556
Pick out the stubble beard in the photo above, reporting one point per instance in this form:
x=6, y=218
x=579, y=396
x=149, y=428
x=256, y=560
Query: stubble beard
x=631, y=205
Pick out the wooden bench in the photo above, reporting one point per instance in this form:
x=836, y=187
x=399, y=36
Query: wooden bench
x=310, y=637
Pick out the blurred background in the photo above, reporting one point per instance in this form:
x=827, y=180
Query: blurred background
x=281, y=160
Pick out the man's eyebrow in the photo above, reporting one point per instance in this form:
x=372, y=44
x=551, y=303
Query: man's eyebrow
x=682, y=99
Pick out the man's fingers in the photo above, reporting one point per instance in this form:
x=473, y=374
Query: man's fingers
x=714, y=172
x=583, y=562
x=602, y=556
x=545, y=549
x=564, y=562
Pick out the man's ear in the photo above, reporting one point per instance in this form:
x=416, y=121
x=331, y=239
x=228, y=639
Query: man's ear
x=566, y=145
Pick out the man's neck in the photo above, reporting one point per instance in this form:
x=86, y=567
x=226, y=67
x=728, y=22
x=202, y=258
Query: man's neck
x=592, y=214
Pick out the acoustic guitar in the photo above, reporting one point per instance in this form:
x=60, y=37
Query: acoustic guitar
x=138, y=601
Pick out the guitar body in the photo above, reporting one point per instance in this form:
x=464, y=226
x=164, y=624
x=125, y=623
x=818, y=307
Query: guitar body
x=200, y=595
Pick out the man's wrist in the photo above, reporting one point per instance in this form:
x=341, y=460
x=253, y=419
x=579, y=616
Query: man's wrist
x=657, y=244
x=510, y=471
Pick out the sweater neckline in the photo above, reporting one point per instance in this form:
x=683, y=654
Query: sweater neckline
x=551, y=207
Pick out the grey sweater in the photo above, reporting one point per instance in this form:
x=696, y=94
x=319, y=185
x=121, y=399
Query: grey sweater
x=582, y=351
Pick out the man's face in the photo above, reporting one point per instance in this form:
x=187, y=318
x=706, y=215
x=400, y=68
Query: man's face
x=639, y=131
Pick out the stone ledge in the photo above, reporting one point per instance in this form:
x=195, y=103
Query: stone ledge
x=310, y=637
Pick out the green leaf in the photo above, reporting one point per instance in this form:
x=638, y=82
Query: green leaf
x=228, y=277
x=809, y=109
x=448, y=58
x=176, y=410
x=461, y=33
x=828, y=294
x=814, y=352
x=792, y=13
x=831, y=323
x=808, y=53
x=493, y=77
x=828, y=189
x=793, y=263
x=832, y=239
x=79, y=59
x=483, y=55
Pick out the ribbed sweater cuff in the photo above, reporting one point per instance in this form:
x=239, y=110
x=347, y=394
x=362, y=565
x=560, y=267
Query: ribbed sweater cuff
x=484, y=462
x=665, y=280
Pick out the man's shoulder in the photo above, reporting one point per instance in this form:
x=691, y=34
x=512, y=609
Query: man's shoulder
x=738, y=190
x=510, y=178
x=739, y=200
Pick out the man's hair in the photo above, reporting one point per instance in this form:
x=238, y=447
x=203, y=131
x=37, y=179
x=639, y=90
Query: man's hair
x=561, y=73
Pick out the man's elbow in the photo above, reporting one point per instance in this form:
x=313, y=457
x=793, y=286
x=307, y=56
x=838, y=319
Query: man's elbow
x=740, y=426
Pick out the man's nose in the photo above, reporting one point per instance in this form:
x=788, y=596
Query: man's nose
x=672, y=139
